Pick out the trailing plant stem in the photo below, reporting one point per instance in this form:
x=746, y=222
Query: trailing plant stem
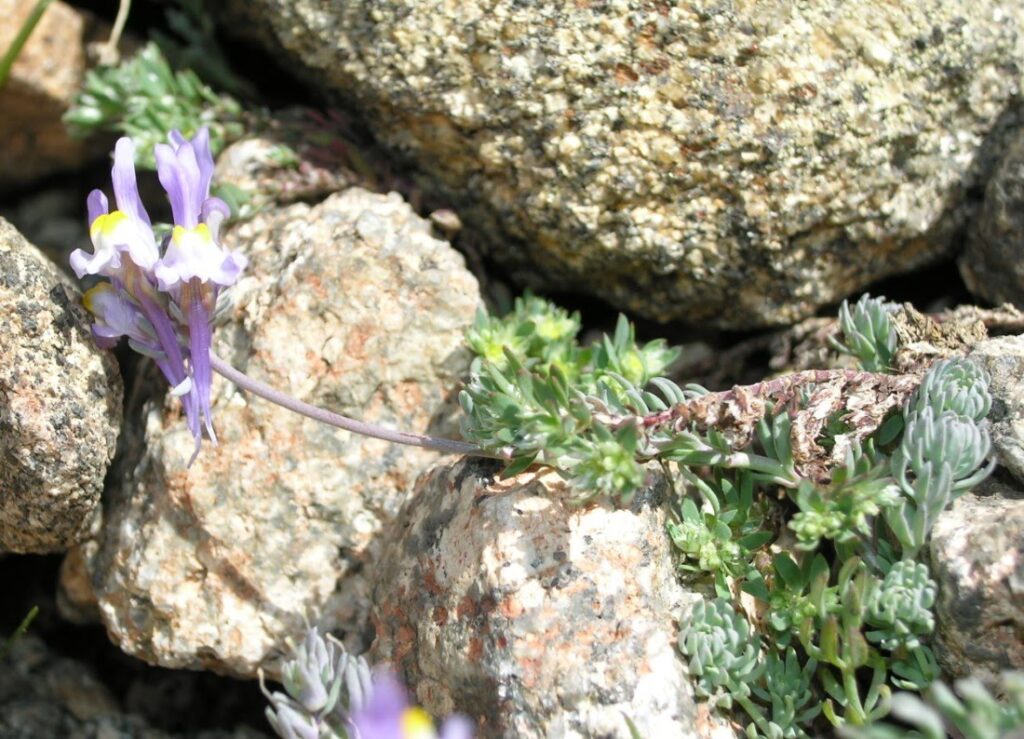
x=447, y=446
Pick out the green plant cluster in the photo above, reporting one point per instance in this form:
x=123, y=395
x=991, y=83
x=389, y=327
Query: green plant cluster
x=846, y=597
x=823, y=606
x=143, y=97
x=538, y=394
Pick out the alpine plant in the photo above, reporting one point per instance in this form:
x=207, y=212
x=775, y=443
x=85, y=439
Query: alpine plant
x=162, y=296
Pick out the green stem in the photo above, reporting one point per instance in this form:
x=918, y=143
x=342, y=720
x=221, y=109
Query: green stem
x=855, y=709
x=754, y=712
x=19, y=632
x=7, y=61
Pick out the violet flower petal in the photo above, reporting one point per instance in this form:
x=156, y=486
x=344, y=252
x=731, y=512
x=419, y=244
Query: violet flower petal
x=174, y=175
x=193, y=254
x=381, y=716
x=126, y=187
x=115, y=315
x=97, y=205
x=204, y=158
x=213, y=214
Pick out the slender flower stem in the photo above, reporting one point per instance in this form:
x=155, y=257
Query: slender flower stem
x=448, y=446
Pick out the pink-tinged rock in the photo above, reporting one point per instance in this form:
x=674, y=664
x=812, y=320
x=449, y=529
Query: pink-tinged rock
x=537, y=618
x=350, y=304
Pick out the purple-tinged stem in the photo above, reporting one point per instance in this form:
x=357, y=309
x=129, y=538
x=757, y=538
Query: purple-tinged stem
x=448, y=446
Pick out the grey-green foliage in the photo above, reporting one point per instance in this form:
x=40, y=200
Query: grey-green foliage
x=144, y=98
x=731, y=666
x=538, y=394
x=868, y=333
x=899, y=609
x=725, y=654
x=973, y=714
x=845, y=607
x=944, y=448
x=323, y=684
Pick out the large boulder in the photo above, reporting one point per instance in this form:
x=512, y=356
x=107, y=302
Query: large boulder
x=725, y=163
x=350, y=304
x=538, y=618
x=60, y=404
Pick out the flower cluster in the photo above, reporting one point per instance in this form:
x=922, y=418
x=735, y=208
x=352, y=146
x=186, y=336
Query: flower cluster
x=331, y=695
x=162, y=296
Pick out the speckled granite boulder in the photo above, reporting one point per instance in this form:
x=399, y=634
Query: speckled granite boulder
x=540, y=619
x=992, y=265
x=1003, y=359
x=350, y=304
x=732, y=163
x=44, y=696
x=977, y=554
x=47, y=74
x=60, y=404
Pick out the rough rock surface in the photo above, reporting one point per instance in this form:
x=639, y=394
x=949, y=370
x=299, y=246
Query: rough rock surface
x=736, y=163
x=352, y=305
x=43, y=82
x=992, y=265
x=43, y=695
x=977, y=553
x=1003, y=359
x=60, y=404
x=537, y=618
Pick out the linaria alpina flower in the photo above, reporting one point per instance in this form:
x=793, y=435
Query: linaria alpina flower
x=388, y=715
x=163, y=298
x=164, y=303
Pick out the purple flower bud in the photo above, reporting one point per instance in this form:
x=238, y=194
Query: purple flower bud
x=116, y=316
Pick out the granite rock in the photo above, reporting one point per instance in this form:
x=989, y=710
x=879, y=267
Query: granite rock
x=991, y=264
x=60, y=404
x=349, y=304
x=535, y=617
x=977, y=556
x=44, y=80
x=1003, y=358
x=736, y=164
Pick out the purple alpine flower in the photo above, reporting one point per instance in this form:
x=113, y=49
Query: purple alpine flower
x=194, y=266
x=388, y=715
x=163, y=304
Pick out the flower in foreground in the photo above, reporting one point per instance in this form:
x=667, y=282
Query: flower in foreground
x=162, y=298
x=388, y=715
